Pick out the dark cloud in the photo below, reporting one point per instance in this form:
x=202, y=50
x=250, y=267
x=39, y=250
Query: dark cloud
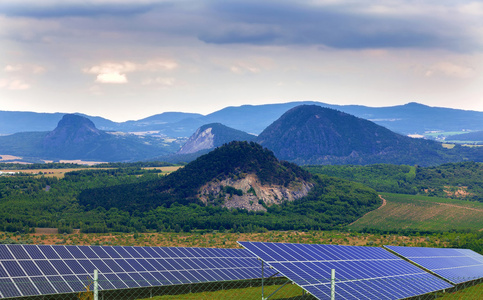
x=65, y=9
x=338, y=26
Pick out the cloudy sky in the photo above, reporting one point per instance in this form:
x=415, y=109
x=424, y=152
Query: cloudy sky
x=124, y=59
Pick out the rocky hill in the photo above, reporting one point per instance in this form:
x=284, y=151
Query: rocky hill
x=235, y=175
x=210, y=136
x=310, y=134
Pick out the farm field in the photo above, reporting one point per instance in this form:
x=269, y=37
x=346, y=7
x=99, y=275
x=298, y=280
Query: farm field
x=414, y=212
x=59, y=173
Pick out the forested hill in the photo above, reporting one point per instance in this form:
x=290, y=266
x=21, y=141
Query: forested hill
x=233, y=160
x=310, y=134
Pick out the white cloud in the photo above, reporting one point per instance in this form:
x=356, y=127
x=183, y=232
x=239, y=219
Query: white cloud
x=115, y=72
x=450, y=69
x=14, y=84
x=160, y=81
x=26, y=68
x=472, y=8
x=112, y=77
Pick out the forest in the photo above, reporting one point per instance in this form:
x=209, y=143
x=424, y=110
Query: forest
x=462, y=180
x=29, y=201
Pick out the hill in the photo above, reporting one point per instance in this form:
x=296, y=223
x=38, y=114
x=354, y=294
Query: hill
x=231, y=176
x=210, y=136
x=311, y=134
x=76, y=137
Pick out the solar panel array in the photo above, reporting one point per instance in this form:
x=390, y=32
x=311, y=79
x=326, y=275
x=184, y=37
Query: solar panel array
x=29, y=270
x=361, y=272
x=455, y=265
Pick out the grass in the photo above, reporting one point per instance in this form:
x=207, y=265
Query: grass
x=415, y=212
x=286, y=292
x=470, y=293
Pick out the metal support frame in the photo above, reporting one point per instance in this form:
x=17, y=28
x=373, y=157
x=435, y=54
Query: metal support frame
x=277, y=290
x=263, y=295
x=96, y=285
x=332, y=284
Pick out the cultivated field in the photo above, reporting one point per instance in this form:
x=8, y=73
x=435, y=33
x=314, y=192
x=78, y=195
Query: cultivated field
x=59, y=173
x=423, y=213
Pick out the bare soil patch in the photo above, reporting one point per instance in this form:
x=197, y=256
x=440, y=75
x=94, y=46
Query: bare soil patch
x=4, y=157
x=40, y=231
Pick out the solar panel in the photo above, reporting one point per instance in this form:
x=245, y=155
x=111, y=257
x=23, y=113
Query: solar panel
x=30, y=270
x=361, y=272
x=454, y=265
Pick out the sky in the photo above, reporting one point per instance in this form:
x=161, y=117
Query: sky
x=127, y=60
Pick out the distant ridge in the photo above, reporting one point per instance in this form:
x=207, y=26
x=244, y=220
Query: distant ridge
x=76, y=137
x=406, y=119
x=311, y=134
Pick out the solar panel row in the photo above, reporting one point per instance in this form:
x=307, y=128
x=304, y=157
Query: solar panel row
x=455, y=265
x=361, y=272
x=27, y=270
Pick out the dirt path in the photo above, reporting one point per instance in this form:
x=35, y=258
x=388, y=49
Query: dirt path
x=382, y=205
x=383, y=202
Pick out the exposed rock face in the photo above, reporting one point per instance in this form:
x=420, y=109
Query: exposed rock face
x=200, y=140
x=213, y=135
x=253, y=192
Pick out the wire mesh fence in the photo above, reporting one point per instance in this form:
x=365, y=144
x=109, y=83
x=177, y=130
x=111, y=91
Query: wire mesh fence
x=268, y=288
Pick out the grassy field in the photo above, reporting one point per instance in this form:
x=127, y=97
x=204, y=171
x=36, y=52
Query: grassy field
x=293, y=291
x=289, y=291
x=471, y=293
x=423, y=213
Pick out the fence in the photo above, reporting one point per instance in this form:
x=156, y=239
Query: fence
x=100, y=288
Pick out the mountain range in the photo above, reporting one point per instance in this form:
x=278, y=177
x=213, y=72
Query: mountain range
x=305, y=134
x=411, y=118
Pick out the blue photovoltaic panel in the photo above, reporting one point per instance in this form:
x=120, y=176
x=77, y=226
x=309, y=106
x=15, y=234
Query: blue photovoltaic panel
x=361, y=272
x=30, y=270
x=454, y=265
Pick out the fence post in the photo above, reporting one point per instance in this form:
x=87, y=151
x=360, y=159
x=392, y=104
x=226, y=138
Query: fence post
x=96, y=285
x=263, y=296
x=332, y=284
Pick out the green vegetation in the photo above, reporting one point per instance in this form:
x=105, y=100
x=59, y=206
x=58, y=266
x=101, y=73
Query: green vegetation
x=454, y=180
x=133, y=199
x=422, y=213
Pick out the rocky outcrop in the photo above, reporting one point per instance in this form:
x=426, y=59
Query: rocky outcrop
x=202, y=139
x=248, y=193
x=213, y=135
